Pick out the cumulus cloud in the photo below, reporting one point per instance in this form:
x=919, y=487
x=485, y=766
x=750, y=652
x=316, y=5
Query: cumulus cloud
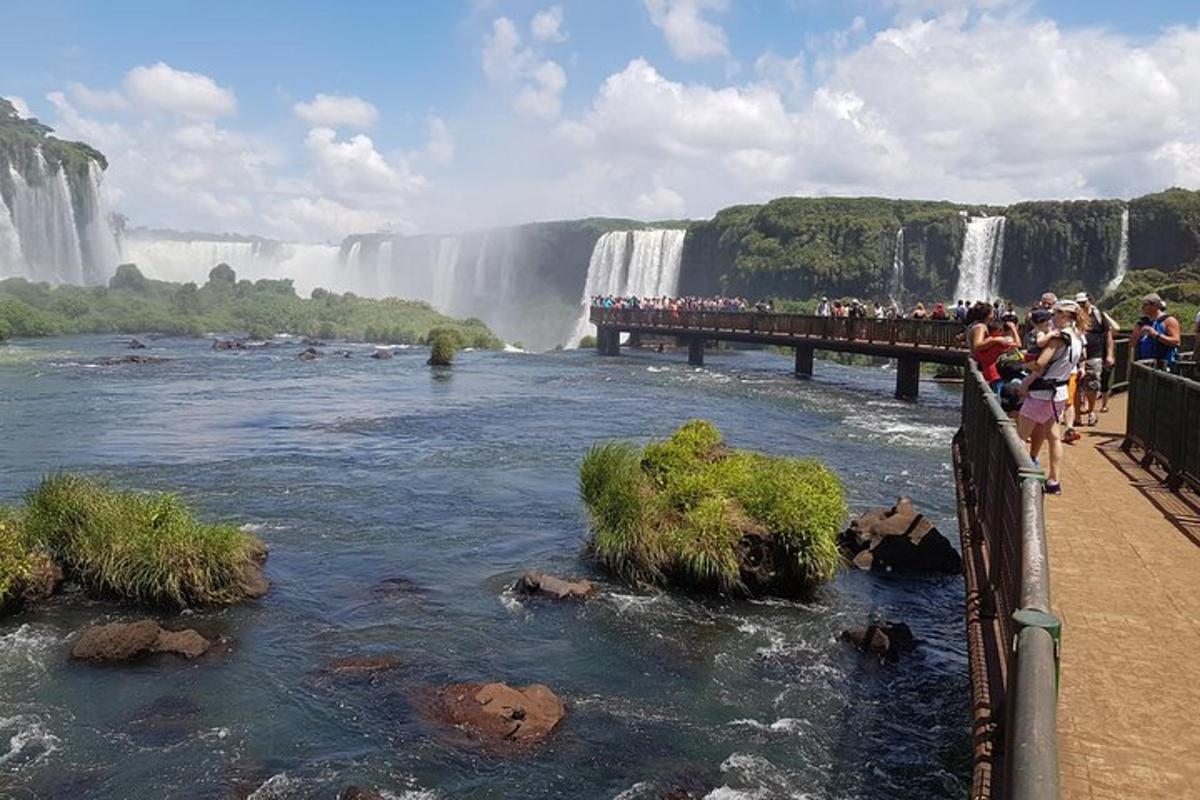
x=659, y=203
x=506, y=62
x=689, y=34
x=160, y=87
x=547, y=25
x=355, y=166
x=331, y=110
x=97, y=99
x=440, y=146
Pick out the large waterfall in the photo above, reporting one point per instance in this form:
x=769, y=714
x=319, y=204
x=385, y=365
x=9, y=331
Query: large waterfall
x=1122, y=254
x=982, y=254
x=897, y=284
x=49, y=232
x=631, y=264
x=181, y=259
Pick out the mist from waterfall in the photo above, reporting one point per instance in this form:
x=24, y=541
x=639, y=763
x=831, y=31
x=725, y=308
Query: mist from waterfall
x=897, y=284
x=46, y=235
x=1122, y=253
x=982, y=255
x=630, y=264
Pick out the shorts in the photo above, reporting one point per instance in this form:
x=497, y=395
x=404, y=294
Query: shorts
x=1093, y=369
x=1106, y=379
x=1041, y=411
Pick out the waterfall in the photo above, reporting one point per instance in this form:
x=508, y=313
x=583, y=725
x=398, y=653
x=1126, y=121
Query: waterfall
x=46, y=235
x=183, y=259
x=1122, y=254
x=445, y=274
x=630, y=263
x=982, y=254
x=897, y=285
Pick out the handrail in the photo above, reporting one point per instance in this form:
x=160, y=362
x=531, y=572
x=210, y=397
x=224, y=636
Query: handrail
x=1163, y=420
x=1013, y=635
x=946, y=335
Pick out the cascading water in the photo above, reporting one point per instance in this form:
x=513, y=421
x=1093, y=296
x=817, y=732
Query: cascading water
x=631, y=263
x=982, y=254
x=897, y=284
x=1122, y=253
x=47, y=235
x=445, y=274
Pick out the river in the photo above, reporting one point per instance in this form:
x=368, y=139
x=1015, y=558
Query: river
x=398, y=504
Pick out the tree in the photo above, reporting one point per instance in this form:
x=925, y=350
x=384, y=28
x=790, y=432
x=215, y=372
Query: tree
x=130, y=278
x=222, y=275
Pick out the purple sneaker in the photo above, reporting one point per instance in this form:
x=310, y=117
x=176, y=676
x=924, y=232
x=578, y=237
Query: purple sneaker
x=1053, y=487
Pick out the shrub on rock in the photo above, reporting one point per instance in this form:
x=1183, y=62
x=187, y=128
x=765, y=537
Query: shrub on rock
x=441, y=349
x=689, y=511
x=146, y=548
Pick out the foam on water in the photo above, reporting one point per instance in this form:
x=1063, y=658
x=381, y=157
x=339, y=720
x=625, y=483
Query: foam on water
x=29, y=741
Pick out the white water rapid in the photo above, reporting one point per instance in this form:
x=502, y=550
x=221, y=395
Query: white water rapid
x=1122, y=254
x=631, y=263
x=897, y=285
x=46, y=235
x=982, y=254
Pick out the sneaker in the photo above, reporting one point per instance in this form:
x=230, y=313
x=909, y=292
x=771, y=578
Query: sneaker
x=1053, y=487
x=1071, y=435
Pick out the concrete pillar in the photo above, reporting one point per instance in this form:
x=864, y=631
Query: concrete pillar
x=608, y=341
x=804, y=360
x=635, y=340
x=908, y=377
x=696, y=351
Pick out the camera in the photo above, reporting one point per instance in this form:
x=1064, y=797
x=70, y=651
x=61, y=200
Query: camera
x=1144, y=321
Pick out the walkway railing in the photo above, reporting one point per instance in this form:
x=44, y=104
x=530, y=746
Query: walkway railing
x=913, y=332
x=1012, y=636
x=1163, y=421
x=1123, y=358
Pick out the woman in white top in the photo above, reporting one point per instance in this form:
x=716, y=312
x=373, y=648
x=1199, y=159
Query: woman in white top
x=1045, y=390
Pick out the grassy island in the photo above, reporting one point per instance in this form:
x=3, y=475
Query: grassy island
x=688, y=511
x=142, y=548
x=133, y=303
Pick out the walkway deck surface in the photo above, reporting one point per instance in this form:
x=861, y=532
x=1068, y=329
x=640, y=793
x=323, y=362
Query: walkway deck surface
x=1125, y=579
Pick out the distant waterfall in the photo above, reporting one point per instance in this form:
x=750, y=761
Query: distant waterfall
x=631, y=263
x=187, y=259
x=48, y=235
x=1122, y=254
x=897, y=285
x=982, y=254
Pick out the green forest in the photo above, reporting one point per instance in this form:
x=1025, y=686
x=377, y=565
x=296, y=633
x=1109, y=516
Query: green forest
x=133, y=303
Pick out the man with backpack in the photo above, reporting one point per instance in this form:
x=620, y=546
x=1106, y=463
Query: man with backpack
x=1157, y=333
x=1099, y=338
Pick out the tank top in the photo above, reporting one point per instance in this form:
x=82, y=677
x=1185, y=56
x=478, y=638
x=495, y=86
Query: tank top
x=1058, y=371
x=1150, y=348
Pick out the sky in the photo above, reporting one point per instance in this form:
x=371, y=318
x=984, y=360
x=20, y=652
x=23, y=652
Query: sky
x=311, y=120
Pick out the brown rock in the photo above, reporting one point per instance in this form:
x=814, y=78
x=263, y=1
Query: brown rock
x=900, y=539
x=499, y=714
x=116, y=641
x=187, y=643
x=362, y=665
x=253, y=581
x=359, y=793
x=886, y=641
x=122, y=641
x=309, y=354
x=539, y=583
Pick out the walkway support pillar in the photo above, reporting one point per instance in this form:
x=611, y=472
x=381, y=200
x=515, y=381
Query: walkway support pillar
x=608, y=341
x=908, y=377
x=804, y=360
x=696, y=351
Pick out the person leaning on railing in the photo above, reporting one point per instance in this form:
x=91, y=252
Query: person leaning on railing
x=1157, y=333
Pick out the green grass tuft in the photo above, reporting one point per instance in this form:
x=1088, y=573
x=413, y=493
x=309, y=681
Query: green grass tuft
x=14, y=555
x=442, y=346
x=682, y=509
x=145, y=548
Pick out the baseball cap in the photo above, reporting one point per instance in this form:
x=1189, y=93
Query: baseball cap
x=1041, y=315
x=1154, y=300
x=1069, y=306
x=1082, y=297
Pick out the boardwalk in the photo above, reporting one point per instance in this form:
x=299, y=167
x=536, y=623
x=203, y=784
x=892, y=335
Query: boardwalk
x=1125, y=580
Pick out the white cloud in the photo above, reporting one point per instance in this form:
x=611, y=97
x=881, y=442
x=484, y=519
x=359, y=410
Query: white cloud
x=659, y=203
x=331, y=110
x=356, y=167
x=690, y=36
x=20, y=105
x=507, y=63
x=317, y=217
x=160, y=87
x=440, y=147
x=547, y=25
x=98, y=99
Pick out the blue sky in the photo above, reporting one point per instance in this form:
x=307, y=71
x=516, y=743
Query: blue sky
x=465, y=114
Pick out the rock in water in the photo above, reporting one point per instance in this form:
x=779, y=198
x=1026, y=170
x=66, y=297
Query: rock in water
x=900, y=539
x=254, y=583
x=499, y=714
x=359, y=793
x=229, y=344
x=122, y=641
x=541, y=584
x=886, y=641
x=362, y=666
x=309, y=354
x=381, y=353
x=41, y=581
x=131, y=359
x=134, y=344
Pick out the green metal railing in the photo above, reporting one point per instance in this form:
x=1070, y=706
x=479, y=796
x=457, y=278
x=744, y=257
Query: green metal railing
x=1163, y=421
x=1012, y=634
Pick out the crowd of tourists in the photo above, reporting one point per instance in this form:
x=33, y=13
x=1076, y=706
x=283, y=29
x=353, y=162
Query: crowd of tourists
x=718, y=303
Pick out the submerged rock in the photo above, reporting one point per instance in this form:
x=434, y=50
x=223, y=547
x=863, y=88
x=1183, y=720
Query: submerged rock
x=360, y=793
x=130, y=359
x=134, y=344
x=123, y=641
x=540, y=584
x=164, y=721
x=886, y=641
x=230, y=344
x=307, y=342
x=382, y=353
x=342, y=354
x=309, y=354
x=898, y=538
x=499, y=714
x=253, y=583
x=362, y=666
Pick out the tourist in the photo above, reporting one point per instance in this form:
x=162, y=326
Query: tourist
x=1099, y=357
x=919, y=311
x=960, y=312
x=939, y=312
x=1045, y=390
x=1157, y=333
x=879, y=310
x=824, y=309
